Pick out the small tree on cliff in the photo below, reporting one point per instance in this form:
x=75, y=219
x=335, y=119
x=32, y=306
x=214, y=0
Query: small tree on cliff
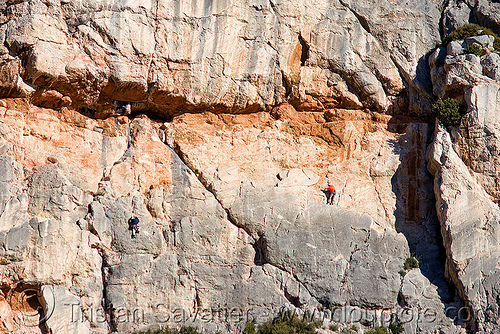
x=447, y=111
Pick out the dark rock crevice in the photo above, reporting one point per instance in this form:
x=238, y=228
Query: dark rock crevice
x=442, y=18
x=304, y=56
x=361, y=19
x=177, y=151
x=106, y=272
x=413, y=186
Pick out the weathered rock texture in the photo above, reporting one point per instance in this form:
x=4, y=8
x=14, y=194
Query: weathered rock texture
x=465, y=168
x=217, y=124
x=235, y=234
x=171, y=56
x=470, y=229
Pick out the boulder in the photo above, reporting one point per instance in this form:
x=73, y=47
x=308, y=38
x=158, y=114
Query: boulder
x=419, y=295
x=484, y=41
x=487, y=13
x=491, y=66
x=63, y=311
x=461, y=72
x=456, y=14
x=455, y=48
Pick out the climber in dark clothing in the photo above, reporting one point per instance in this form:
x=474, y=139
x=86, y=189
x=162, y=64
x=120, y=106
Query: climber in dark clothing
x=133, y=225
x=330, y=194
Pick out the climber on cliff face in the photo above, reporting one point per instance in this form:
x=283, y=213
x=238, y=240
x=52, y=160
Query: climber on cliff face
x=133, y=225
x=330, y=194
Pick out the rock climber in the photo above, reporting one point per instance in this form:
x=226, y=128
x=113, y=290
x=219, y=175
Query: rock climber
x=330, y=194
x=133, y=225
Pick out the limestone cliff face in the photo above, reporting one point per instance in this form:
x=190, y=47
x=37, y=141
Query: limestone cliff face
x=174, y=56
x=230, y=209
x=217, y=124
x=464, y=162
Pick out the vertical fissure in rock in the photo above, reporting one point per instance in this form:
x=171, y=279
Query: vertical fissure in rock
x=178, y=152
x=286, y=84
x=260, y=256
x=150, y=79
x=259, y=245
x=106, y=303
x=362, y=20
x=441, y=19
x=304, y=56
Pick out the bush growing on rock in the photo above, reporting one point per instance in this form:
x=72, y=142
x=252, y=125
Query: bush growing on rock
x=411, y=263
x=249, y=328
x=351, y=330
x=447, y=111
x=378, y=330
x=475, y=50
x=470, y=30
x=396, y=328
x=287, y=322
x=334, y=327
x=393, y=329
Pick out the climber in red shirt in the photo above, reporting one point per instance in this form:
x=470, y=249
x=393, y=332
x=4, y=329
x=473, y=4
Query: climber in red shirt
x=330, y=194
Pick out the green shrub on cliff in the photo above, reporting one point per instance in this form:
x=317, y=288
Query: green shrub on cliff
x=411, y=263
x=378, y=330
x=447, y=111
x=475, y=50
x=396, y=328
x=286, y=323
x=249, y=328
x=470, y=30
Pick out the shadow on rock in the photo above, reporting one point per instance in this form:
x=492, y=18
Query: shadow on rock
x=415, y=211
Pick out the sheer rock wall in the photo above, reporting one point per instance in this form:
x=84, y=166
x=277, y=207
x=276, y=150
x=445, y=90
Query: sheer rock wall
x=218, y=123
